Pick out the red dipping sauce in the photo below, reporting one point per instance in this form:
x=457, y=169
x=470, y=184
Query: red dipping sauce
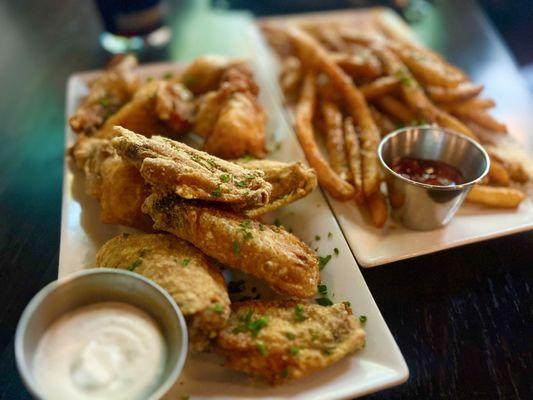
x=428, y=171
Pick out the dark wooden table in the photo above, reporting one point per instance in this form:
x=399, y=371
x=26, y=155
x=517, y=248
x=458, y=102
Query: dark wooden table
x=462, y=318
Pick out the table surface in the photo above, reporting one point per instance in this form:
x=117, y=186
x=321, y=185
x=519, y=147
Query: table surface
x=462, y=318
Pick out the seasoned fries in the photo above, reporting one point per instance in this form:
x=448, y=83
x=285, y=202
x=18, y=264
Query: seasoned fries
x=404, y=85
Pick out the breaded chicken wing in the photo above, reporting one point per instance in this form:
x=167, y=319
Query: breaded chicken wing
x=231, y=118
x=174, y=167
x=204, y=73
x=185, y=273
x=116, y=184
x=268, y=252
x=282, y=340
x=158, y=108
x=290, y=182
x=107, y=94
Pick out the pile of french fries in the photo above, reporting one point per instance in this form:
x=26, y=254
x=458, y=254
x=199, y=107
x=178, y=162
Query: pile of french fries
x=355, y=87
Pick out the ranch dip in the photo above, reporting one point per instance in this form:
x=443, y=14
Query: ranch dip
x=107, y=350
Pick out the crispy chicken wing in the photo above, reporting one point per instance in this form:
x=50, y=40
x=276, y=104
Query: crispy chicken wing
x=282, y=340
x=231, y=118
x=204, y=73
x=185, y=273
x=290, y=182
x=174, y=167
x=158, y=108
x=107, y=94
x=270, y=253
x=116, y=184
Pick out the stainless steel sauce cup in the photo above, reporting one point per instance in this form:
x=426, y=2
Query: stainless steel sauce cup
x=423, y=206
x=94, y=286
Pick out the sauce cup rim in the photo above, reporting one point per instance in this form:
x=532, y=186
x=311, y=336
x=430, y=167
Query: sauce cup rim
x=461, y=186
x=24, y=369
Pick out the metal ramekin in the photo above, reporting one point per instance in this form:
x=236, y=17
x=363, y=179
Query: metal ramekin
x=419, y=205
x=98, y=285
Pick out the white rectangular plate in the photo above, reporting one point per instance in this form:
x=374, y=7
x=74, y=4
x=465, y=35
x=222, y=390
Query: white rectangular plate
x=378, y=366
x=372, y=246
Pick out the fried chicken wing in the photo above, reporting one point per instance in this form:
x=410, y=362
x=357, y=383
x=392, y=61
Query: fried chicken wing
x=185, y=273
x=268, y=252
x=116, y=184
x=107, y=94
x=231, y=118
x=282, y=340
x=174, y=167
x=158, y=108
x=290, y=182
x=204, y=73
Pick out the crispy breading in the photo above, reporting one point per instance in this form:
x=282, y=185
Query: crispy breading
x=282, y=340
x=185, y=273
x=159, y=107
x=174, y=167
x=268, y=252
x=117, y=185
x=231, y=118
x=107, y=94
x=290, y=182
x=204, y=73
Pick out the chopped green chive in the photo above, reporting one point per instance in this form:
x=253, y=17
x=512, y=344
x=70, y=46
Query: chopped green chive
x=322, y=289
x=216, y=193
x=290, y=335
x=284, y=373
x=262, y=349
x=168, y=75
x=294, y=350
x=317, y=237
x=245, y=223
x=323, y=261
x=224, y=178
x=362, y=319
x=104, y=101
x=242, y=184
x=261, y=227
x=336, y=251
x=277, y=222
x=247, y=235
x=299, y=313
x=324, y=301
x=330, y=235
x=185, y=262
x=134, y=265
x=217, y=308
x=236, y=248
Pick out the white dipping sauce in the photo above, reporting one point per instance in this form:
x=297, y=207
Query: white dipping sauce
x=107, y=350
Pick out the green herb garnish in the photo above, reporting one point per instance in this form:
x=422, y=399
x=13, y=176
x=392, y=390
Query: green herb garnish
x=134, y=265
x=362, y=319
x=294, y=350
x=317, y=237
x=262, y=349
x=290, y=335
x=224, y=178
x=330, y=235
x=236, y=248
x=185, y=262
x=216, y=193
x=322, y=289
x=277, y=222
x=261, y=227
x=284, y=373
x=217, y=308
x=168, y=75
x=323, y=261
x=242, y=184
x=299, y=313
x=324, y=301
x=336, y=251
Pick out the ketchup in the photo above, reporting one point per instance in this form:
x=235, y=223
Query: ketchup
x=428, y=171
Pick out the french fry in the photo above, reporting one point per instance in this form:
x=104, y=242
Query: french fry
x=357, y=65
x=335, y=140
x=378, y=209
x=380, y=87
x=474, y=103
x=290, y=76
x=331, y=39
x=448, y=121
x=463, y=91
x=353, y=153
x=498, y=174
x=333, y=183
x=383, y=122
x=427, y=67
x=355, y=103
x=395, y=108
x=481, y=118
x=497, y=197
